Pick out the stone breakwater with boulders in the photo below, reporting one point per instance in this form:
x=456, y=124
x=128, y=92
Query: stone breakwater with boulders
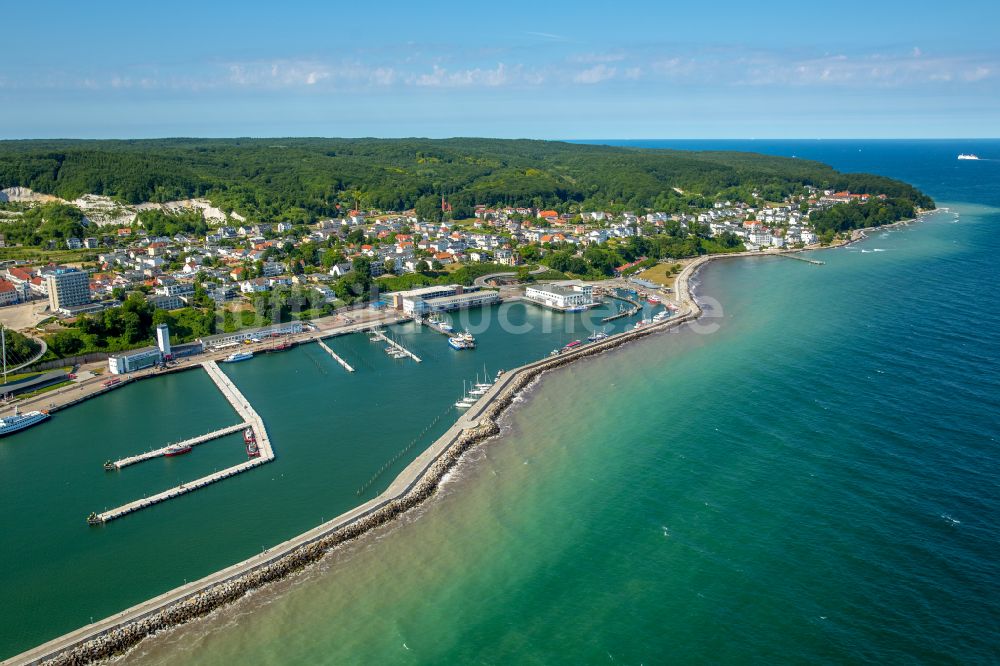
x=136, y=625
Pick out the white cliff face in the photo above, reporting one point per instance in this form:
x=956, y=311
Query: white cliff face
x=23, y=194
x=104, y=211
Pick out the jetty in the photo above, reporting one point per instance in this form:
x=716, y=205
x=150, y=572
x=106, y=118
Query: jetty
x=378, y=334
x=336, y=358
x=194, y=441
x=815, y=262
x=634, y=308
x=251, y=419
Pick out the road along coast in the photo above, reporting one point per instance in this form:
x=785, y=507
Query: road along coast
x=416, y=483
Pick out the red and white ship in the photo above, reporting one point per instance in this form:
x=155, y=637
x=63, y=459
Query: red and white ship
x=253, y=451
x=176, y=450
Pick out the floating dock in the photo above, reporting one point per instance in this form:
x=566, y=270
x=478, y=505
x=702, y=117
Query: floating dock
x=194, y=441
x=379, y=335
x=335, y=357
x=251, y=419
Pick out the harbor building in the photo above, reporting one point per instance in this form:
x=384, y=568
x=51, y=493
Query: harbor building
x=237, y=337
x=133, y=360
x=469, y=299
x=68, y=288
x=567, y=295
x=137, y=359
x=163, y=339
x=440, y=298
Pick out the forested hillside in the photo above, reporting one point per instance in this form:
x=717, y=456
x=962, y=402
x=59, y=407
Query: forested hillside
x=303, y=179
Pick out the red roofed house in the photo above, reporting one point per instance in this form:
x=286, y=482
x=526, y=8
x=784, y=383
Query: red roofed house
x=8, y=292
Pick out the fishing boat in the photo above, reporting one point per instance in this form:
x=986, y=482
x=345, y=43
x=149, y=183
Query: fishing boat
x=177, y=450
x=237, y=357
x=653, y=299
x=597, y=336
x=18, y=421
x=463, y=340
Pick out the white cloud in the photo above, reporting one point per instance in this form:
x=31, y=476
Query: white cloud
x=595, y=74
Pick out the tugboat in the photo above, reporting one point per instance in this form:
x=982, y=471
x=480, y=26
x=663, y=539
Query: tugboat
x=253, y=451
x=176, y=450
x=18, y=421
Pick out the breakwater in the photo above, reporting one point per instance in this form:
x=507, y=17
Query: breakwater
x=415, y=484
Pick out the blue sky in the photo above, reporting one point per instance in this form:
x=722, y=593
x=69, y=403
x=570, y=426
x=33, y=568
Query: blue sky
x=514, y=69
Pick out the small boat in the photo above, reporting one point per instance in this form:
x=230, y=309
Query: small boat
x=571, y=345
x=18, y=421
x=671, y=307
x=176, y=450
x=237, y=357
x=597, y=336
x=466, y=401
x=653, y=299
x=968, y=156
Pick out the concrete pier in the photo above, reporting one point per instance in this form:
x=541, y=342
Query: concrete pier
x=335, y=357
x=194, y=441
x=636, y=306
x=251, y=419
x=377, y=332
x=816, y=262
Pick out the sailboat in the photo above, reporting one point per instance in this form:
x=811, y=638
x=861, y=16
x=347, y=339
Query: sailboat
x=466, y=401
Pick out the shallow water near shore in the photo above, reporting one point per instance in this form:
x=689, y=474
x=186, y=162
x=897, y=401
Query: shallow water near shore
x=813, y=482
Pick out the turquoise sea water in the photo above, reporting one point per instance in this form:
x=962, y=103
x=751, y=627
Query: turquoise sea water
x=814, y=481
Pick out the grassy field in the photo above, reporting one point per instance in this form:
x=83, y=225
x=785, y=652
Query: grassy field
x=37, y=255
x=664, y=273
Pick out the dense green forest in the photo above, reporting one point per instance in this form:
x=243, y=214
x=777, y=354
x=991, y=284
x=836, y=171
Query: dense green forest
x=304, y=179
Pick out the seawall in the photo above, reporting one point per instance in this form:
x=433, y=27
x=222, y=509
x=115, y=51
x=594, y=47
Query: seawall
x=411, y=487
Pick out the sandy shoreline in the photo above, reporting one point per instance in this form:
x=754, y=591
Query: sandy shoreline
x=411, y=487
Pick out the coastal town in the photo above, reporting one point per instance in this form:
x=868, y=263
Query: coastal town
x=236, y=259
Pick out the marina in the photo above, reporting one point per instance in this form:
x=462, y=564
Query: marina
x=378, y=335
x=167, y=450
x=252, y=421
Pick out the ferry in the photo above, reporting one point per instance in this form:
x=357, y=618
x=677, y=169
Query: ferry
x=462, y=341
x=18, y=421
x=176, y=450
x=968, y=156
x=238, y=356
